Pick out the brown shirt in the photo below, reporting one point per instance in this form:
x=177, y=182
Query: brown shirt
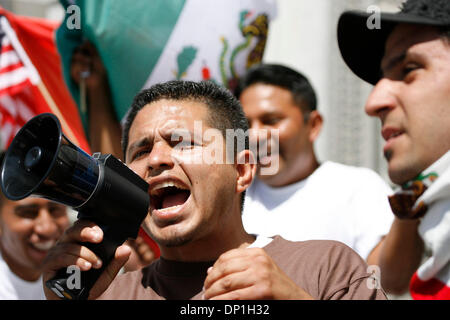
x=324, y=269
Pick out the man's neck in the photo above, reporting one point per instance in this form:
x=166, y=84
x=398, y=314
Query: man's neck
x=432, y=172
x=208, y=248
x=288, y=178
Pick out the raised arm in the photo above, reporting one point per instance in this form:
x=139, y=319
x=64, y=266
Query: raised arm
x=104, y=128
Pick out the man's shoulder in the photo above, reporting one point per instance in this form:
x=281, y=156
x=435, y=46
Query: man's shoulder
x=325, y=255
x=7, y=291
x=340, y=169
x=349, y=176
x=326, y=269
x=279, y=245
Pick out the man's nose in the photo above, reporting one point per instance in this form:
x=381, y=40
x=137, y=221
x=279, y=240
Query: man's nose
x=160, y=157
x=45, y=224
x=258, y=132
x=382, y=98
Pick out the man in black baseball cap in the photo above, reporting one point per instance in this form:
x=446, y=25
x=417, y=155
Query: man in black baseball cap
x=362, y=46
x=407, y=59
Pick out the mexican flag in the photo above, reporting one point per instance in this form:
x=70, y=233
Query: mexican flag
x=144, y=42
x=432, y=280
x=437, y=288
x=31, y=80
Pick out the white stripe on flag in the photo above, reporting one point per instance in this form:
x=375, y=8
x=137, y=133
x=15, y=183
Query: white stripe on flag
x=5, y=41
x=8, y=104
x=5, y=134
x=8, y=58
x=223, y=18
x=13, y=78
x=24, y=111
x=10, y=33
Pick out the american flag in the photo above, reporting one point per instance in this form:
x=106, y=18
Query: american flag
x=15, y=90
x=31, y=80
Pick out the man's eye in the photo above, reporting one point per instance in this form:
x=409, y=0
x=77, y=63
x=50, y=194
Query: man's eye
x=57, y=211
x=139, y=154
x=408, y=68
x=27, y=213
x=271, y=121
x=186, y=144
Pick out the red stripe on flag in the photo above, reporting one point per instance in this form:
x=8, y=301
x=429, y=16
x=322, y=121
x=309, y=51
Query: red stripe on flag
x=428, y=290
x=7, y=48
x=15, y=112
x=11, y=67
x=36, y=37
x=15, y=89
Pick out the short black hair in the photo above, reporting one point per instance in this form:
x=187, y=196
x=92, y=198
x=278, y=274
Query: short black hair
x=225, y=111
x=281, y=76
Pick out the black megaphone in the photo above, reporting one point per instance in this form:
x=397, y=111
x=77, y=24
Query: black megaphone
x=42, y=162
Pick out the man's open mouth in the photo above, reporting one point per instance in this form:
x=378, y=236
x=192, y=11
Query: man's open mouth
x=168, y=196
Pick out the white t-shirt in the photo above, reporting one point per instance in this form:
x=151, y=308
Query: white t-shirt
x=336, y=202
x=260, y=242
x=14, y=288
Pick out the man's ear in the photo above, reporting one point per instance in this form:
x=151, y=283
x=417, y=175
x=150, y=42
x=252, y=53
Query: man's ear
x=315, y=122
x=245, y=169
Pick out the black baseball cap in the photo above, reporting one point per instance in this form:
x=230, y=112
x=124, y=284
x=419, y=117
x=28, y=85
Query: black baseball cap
x=363, y=48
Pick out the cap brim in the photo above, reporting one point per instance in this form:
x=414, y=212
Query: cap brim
x=362, y=48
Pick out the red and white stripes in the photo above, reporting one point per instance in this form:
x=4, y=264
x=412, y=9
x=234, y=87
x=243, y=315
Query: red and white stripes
x=16, y=80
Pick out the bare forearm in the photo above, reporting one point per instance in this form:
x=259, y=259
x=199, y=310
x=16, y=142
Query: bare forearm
x=400, y=255
x=88, y=71
x=104, y=128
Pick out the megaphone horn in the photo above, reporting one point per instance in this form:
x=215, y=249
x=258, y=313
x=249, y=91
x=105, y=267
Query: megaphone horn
x=42, y=162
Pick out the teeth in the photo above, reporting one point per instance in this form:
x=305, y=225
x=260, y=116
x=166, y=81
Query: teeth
x=394, y=135
x=168, y=209
x=162, y=185
x=44, y=246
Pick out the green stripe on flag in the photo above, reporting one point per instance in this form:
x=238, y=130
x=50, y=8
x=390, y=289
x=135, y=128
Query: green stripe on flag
x=129, y=36
x=66, y=42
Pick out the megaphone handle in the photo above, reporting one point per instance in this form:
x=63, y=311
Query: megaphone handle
x=72, y=284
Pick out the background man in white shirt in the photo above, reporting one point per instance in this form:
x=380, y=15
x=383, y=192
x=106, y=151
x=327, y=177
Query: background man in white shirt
x=28, y=229
x=304, y=199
